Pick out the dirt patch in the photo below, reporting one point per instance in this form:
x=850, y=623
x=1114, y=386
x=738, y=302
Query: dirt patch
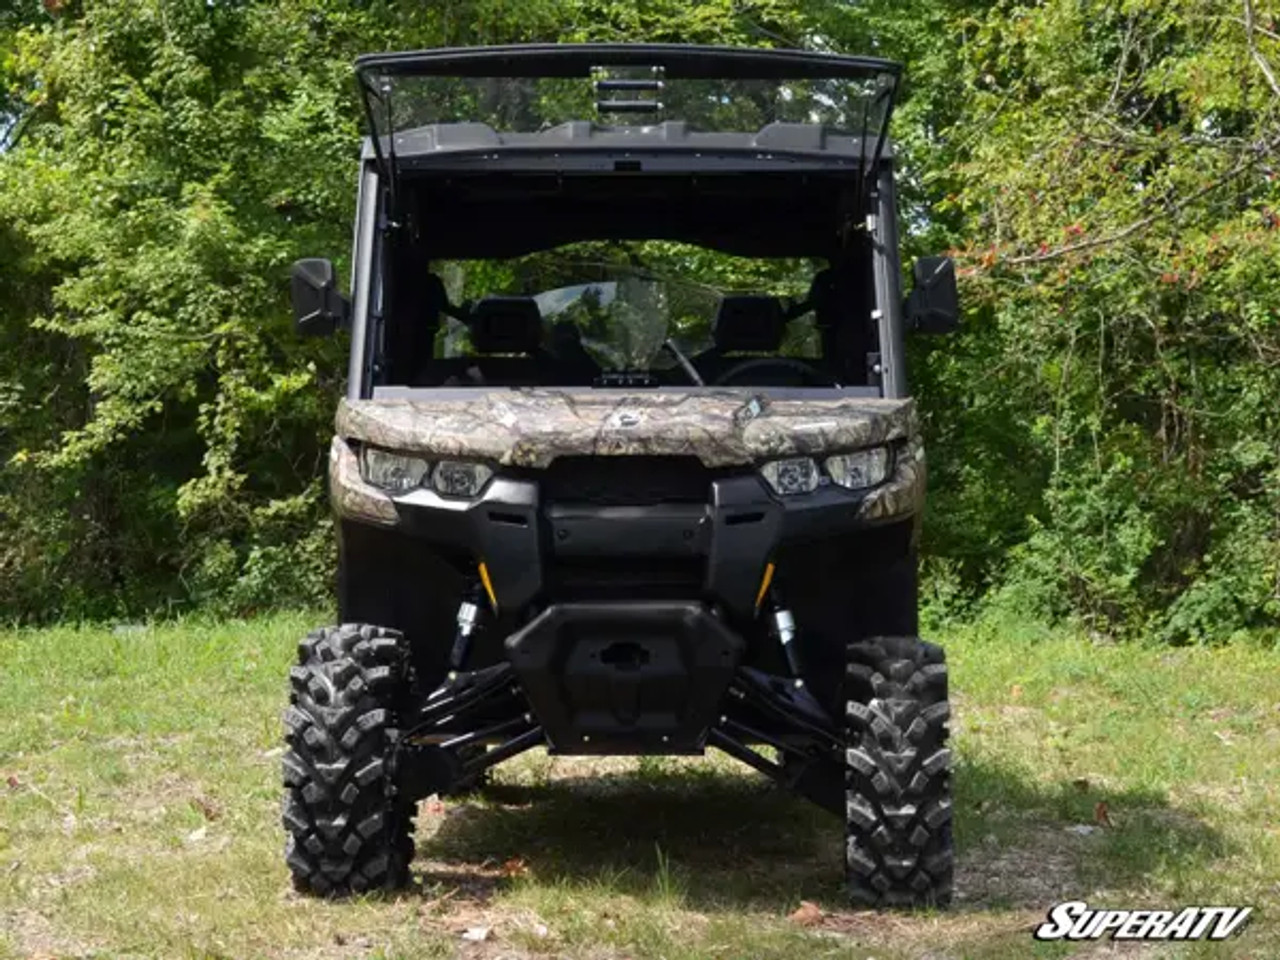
x=1105, y=951
x=1039, y=867
x=32, y=934
x=921, y=935
x=151, y=801
x=149, y=745
x=470, y=884
x=960, y=928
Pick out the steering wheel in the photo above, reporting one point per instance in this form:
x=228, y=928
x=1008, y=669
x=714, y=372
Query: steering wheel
x=812, y=376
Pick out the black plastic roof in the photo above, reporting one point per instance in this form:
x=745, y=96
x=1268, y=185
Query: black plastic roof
x=777, y=142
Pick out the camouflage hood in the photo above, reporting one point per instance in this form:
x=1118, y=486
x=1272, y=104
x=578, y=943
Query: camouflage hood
x=531, y=427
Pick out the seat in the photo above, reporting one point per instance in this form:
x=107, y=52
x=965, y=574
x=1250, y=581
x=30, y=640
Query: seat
x=505, y=325
x=569, y=360
x=507, y=349
x=744, y=324
x=505, y=335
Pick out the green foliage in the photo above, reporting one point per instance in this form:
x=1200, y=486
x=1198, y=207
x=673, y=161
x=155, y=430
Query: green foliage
x=174, y=160
x=1102, y=434
x=1121, y=271
x=163, y=433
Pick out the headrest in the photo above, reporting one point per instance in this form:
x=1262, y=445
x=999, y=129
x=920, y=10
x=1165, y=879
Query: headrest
x=434, y=294
x=566, y=334
x=822, y=290
x=835, y=292
x=749, y=324
x=505, y=325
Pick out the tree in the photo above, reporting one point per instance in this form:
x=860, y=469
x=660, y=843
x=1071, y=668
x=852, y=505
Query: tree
x=164, y=433
x=1114, y=178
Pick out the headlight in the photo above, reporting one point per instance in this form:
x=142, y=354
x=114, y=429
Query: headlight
x=457, y=478
x=798, y=475
x=861, y=469
x=392, y=471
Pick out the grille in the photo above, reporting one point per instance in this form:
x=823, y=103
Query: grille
x=626, y=481
x=622, y=578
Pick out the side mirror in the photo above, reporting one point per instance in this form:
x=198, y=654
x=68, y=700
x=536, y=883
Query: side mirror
x=318, y=308
x=934, y=304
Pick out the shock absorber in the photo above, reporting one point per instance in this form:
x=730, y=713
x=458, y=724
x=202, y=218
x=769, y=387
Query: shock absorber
x=783, y=626
x=468, y=624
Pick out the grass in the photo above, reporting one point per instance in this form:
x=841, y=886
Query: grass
x=140, y=815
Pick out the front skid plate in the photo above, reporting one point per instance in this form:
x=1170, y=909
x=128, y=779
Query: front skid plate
x=625, y=678
x=479, y=719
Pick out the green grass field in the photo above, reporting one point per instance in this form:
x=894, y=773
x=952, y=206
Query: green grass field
x=139, y=775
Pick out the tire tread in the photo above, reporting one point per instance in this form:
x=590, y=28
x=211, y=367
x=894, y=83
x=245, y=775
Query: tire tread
x=347, y=829
x=898, y=838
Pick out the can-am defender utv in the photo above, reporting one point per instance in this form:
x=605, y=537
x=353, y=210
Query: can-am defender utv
x=626, y=463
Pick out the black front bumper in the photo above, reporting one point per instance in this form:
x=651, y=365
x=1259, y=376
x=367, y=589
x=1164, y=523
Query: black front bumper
x=726, y=541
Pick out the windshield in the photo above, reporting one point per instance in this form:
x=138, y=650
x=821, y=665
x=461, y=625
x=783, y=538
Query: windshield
x=711, y=89
x=628, y=316
x=656, y=312
x=621, y=323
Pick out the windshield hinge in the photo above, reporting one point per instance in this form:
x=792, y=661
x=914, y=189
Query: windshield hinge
x=852, y=218
x=875, y=370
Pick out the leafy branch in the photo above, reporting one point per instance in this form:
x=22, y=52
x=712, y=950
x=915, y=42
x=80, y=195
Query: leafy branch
x=1170, y=210
x=1250, y=29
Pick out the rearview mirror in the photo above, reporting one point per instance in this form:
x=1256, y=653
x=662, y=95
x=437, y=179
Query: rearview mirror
x=934, y=304
x=318, y=308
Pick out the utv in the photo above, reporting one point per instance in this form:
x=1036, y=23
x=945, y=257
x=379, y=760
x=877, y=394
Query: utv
x=627, y=462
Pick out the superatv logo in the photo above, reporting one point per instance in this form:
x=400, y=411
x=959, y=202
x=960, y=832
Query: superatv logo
x=1076, y=920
